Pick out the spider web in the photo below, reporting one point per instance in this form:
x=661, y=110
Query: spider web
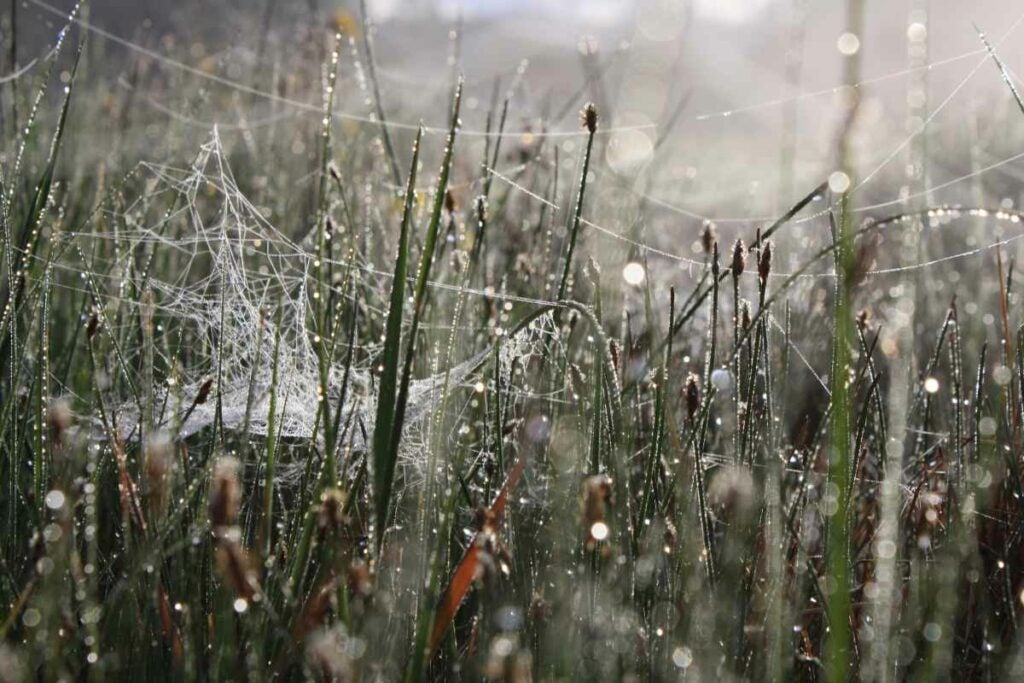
x=243, y=286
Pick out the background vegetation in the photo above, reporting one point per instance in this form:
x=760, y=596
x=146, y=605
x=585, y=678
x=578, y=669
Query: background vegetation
x=323, y=393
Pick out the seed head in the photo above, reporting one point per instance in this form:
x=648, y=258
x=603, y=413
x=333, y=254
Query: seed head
x=449, y=201
x=764, y=266
x=159, y=460
x=59, y=417
x=225, y=492
x=596, y=499
x=864, y=319
x=204, y=392
x=691, y=392
x=331, y=514
x=588, y=117
x=360, y=580
x=481, y=209
x=328, y=654
x=732, y=490
x=540, y=610
x=708, y=236
x=235, y=565
x=147, y=312
x=671, y=534
x=739, y=259
x=92, y=327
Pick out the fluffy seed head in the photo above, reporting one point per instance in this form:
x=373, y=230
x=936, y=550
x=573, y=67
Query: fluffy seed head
x=732, y=489
x=327, y=654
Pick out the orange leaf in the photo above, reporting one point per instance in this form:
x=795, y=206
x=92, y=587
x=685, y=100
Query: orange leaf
x=465, y=572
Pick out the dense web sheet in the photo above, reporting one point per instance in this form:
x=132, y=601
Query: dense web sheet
x=221, y=316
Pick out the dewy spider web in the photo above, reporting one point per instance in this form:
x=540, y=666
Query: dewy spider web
x=221, y=311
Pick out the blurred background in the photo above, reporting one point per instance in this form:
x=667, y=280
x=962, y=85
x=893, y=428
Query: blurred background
x=713, y=109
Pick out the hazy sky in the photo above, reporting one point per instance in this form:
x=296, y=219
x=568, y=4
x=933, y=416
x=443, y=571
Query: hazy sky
x=728, y=58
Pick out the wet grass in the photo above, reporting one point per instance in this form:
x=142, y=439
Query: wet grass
x=451, y=428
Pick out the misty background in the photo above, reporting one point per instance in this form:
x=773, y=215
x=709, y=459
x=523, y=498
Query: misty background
x=734, y=103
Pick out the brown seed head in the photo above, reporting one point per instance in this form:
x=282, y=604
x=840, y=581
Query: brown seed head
x=225, y=492
x=596, y=498
x=59, y=417
x=147, y=312
x=360, y=581
x=764, y=266
x=708, y=236
x=864, y=319
x=159, y=461
x=449, y=201
x=481, y=209
x=236, y=567
x=739, y=259
x=671, y=534
x=588, y=117
x=691, y=392
x=92, y=327
x=540, y=610
x=331, y=514
x=597, y=495
x=204, y=392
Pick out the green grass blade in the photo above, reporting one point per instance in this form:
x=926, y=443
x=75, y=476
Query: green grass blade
x=383, y=457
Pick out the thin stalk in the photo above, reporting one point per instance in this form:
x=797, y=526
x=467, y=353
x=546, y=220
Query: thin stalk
x=270, y=457
x=590, y=120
